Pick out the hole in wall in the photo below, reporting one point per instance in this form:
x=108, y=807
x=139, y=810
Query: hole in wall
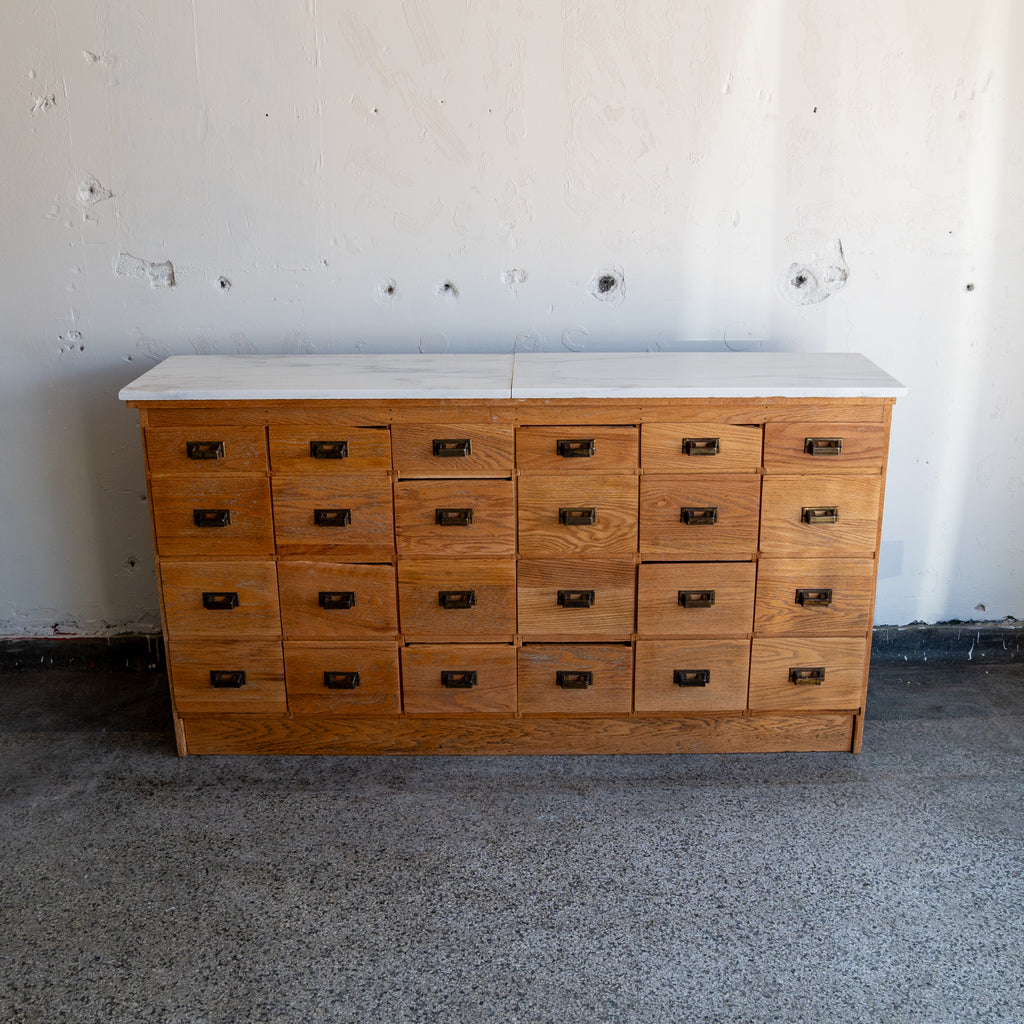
x=608, y=284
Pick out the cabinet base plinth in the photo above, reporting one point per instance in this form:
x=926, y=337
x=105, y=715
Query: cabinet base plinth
x=270, y=734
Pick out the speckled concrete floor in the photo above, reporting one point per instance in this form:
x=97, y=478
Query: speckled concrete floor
x=136, y=886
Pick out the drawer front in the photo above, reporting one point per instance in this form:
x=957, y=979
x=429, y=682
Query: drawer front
x=344, y=678
x=699, y=518
x=575, y=679
x=453, y=679
x=465, y=597
x=229, y=516
x=700, y=448
x=807, y=675
x=220, y=599
x=797, y=516
x=685, y=599
x=820, y=447
x=325, y=600
x=227, y=676
x=576, y=516
x=814, y=596
x=575, y=600
x=453, y=449
x=204, y=452
x=682, y=677
x=447, y=518
x=350, y=518
x=570, y=449
x=328, y=451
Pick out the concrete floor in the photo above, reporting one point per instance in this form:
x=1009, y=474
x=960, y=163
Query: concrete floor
x=137, y=886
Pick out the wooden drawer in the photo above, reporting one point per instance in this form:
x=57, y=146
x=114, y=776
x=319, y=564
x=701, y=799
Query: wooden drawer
x=227, y=676
x=465, y=597
x=700, y=448
x=814, y=596
x=338, y=601
x=579, y=600
x=345, y=678
x=686, y=599
x=469, y=679
x=681, y=677
x=797, y=516
x=453, y=449
x=570, y=449
x=350, y=518
x=329, y=451
x=204, y=452
x=820, y=447
x=226, y=516
x=699, y=518
x=447, y=518
x=806, y=674
x=592, y=516
x=220, y=599
x=575, y=679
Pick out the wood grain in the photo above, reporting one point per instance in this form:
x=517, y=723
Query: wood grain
x=663, y=534
x=659, y=613
x=611, y=615
x=373, y=616
x=492, y=614
x=369, y=450
x=191, y=662
x=494, y=691
x=771, y=660
x=378, y=691
x=777, y=611
x=258, y=611
x=261, y=734
x=615, y=449
x=739, y=448
x=863, y=447
x=611, y=691
x=245, y=450
x=492, y=531
x=491, y=449
x=727, y=662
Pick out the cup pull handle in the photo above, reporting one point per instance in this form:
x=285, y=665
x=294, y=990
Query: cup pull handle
x=226, y=680
x=807, y=676
x=701, y=445
x=211, y=517
x=453, y=516
x=574, y=680
x=818, y=597
x=330, y=600
x=458, y=680
x=204, y=450
x=823, y=445
x=328, y=449
x=451, y=600
x=583, y=448
x=576, y=598
x=215, y=600
x=452, y=447
x=341, y=680
x=332, y=517
x=699, y=516
x=696, y=598
x=577, y=516
x=822, y=514
x=691, y=676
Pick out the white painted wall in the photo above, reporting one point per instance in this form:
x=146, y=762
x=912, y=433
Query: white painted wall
x=310, y=151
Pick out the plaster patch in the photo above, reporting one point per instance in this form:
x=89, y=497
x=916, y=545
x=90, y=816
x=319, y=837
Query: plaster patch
x=814, y=281
x=90, y=191
x=434, y=342
x=513, y=279
x=569, y=336
x=243, y=346
x=158, y=275
x=528, y=342
x=44, y=104
x=608, y=285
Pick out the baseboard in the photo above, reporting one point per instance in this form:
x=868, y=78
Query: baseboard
x=991, y=642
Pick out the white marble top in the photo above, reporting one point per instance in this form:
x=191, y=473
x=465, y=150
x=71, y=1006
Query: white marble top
x=256, y=378
x=700, y=375
x=524, y=375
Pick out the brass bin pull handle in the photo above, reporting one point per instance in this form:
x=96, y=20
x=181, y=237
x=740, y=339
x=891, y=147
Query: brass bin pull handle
x=223, y=680
x=699, y=516
x=332, y=517
x=453, y=599
x=823, y=445
x=807, y=676
x=583, y=448
x=328, y=449
x=696, y=598
x=691, y=676
x=814, y=597
x=204, y=450
x=701, y=445
x=458, y=680
x=217, y=600
x=452, y=447
x=574, y=680
x=577, y=516
x=341, y=680
x=211, y=517
x=453, y=516
x=576, y=598
x=821, y=515
x=330, y=600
